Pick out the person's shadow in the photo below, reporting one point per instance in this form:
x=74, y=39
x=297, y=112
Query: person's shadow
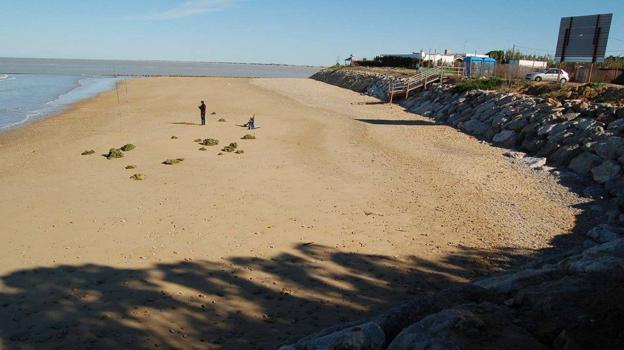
x=185, y=123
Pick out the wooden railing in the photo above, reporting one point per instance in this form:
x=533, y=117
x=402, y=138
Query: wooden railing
x=421, y=80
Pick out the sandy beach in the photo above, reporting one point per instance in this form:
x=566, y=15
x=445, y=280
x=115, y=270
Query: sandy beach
x=340, y=207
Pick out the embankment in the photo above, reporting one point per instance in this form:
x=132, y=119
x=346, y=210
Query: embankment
x=582, y=142
x=566, y=302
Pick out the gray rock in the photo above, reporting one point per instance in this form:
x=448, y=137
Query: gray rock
x=564, y=155
x=533, y=162
x=595, y=192
x=594, y=264
x=367, y=336
x=545, y=129
x=616, y=125
x=533, y=144
x=509, y=282
x=584, y=162
x=584, y=124
x=474, y=127
x=604, y=233
x=608, y=170
x=505, y=138
x=517, y=124
x=514, y=154
x=471, y=326
x=548, y=149
x=609, y=148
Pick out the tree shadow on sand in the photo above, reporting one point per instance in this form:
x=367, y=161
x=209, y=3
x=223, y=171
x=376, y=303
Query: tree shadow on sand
x=237, y=303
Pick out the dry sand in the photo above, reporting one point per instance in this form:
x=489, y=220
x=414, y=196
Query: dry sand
x=342, y=206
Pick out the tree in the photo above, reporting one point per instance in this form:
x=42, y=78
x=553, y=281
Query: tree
x=498, y=55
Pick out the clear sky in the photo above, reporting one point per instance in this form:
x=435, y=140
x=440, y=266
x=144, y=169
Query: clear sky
x=314, y=32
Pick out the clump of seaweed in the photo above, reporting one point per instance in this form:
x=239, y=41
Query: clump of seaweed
x=132, y=166
x=173, y=161
x=222, y=120
x=220, y=153
x=128, y=147
x=213, y=113
x=231, y=147
x=114, y=153
x=87, y=152
x=209, y=142
x=197, y=140
x=174, y=137
x=240, y=151
x=203, y=149
x=138, y=177
x=248, y=137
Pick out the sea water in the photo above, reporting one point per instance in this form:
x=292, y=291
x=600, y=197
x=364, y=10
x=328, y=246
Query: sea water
x=27, y=97
x=32, y=89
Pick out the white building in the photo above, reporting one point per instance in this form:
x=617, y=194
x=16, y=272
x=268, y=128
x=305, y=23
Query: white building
x=438, y=59
x=534, y=65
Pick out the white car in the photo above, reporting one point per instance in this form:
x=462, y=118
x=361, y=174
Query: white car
x=550, y=74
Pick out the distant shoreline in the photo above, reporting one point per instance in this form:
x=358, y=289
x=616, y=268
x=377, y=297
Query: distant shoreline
x=162, y=61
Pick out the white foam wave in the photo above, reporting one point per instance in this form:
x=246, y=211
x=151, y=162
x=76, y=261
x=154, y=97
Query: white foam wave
x=6, y=77
x=24, y=120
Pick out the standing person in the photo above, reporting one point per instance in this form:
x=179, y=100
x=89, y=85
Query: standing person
x=202, y=110
x=251, y=124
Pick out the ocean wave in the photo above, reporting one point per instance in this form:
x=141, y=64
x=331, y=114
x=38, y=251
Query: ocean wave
x=23, y=121
x=6, y=77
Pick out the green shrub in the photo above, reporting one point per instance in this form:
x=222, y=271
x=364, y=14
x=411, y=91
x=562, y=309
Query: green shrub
x=478, y=84
x=114, y=153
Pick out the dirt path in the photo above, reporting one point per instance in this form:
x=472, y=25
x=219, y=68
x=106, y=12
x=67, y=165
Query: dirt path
x=340, y=207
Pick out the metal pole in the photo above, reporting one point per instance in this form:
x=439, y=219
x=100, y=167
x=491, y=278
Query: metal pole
x=595, y=52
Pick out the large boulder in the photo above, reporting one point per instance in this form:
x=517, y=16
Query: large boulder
x=604, y=233
x=505, y=138
x=584, y=162
x=367, y=336
x=474, y=127
x=533, y=144
x=609, y=148
x=517, y=124
x=471, y=326
x=608, y=170
x=564, y=155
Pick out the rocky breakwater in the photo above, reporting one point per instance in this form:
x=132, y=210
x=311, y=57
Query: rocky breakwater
x=369, y=83
x=579, y=139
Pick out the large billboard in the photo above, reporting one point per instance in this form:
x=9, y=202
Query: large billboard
x=583, y=38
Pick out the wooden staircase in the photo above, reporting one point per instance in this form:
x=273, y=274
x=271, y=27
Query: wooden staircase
x=421, y=80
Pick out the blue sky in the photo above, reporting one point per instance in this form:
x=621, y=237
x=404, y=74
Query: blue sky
x=313, y=32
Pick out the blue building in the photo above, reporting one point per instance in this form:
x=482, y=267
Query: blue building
x=475, y=66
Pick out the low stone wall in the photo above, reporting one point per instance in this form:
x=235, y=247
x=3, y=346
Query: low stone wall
x=372, y=84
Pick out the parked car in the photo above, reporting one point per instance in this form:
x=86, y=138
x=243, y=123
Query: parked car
x=549, y=74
